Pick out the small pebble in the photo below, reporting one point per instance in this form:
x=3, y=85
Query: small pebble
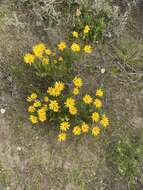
x=19, y=148
x=103, y=70
x=2, y=110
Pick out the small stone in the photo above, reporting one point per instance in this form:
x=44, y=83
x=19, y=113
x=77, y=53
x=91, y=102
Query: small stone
x=103, y=70
x=19, y=148
x=2, y=110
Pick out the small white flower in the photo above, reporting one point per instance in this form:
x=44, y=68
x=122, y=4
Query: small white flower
x=103, y=70
x=2, y=110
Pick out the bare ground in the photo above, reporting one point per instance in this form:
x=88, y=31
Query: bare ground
x=32, y=159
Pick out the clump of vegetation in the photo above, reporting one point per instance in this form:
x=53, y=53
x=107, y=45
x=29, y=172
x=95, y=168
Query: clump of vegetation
x=58, y=63
x=99, y=20
x=65, y=107
x=126, y=155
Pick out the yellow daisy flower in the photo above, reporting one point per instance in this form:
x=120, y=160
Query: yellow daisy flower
x=96, y=131
x=73, y=110
x=29, y=58
x=62, y=46
x=84, y=127
x=98, y=103
x=70, y=102
x=95, y=117
x=32, y=97
x=78, y=82
x=75, y=34
x=75, y=91
x=54, y=106
x=86, y=29
x=37, y=104
x=62, y=137
x=87, y=49
x=59, y=85
x=29, y=99
x=38, y=49
x=31, y=109
x=75, y=47
x=42, y=114
x=87, y=99
x=33, y=119
x=54, y=91
x=104, y=121
x=99, y=92
x=64, y=126
x=76, y=130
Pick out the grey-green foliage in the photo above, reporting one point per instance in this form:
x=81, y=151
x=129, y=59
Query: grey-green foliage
x=127, y=155
x=44, y=10
x=129, y=51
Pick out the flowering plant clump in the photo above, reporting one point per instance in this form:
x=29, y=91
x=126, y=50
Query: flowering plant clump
x=69, y=110
x=59, y=62
x=97, y=24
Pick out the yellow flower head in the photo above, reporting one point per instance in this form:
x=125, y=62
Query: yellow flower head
x=39, y=49
x=75, y=34
x=87, y=99
x=77, y=81
x=59, y=85
x=86, y=29
x=99, y=92
x=29, y=99
x=64, y=126
x=42, y=114
x=31, y=109
x=29, y=58
x=33, y=96
x=73, y=110
x=37, y=104
x=84, y=127
x=53, y=91
x=87, y=49
x=54, y=106
x=62, y=137
x=62, y=46
x=104, y=121
x=70, y=102
x=60, y=58
x=95, y=117
x=76, y=130
x=75, y=47
x=48, y=52
x=45, y=61
x=96, y=131
x=46, y=99
x=33, y=119
x=98, y=103
x=75, y=91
